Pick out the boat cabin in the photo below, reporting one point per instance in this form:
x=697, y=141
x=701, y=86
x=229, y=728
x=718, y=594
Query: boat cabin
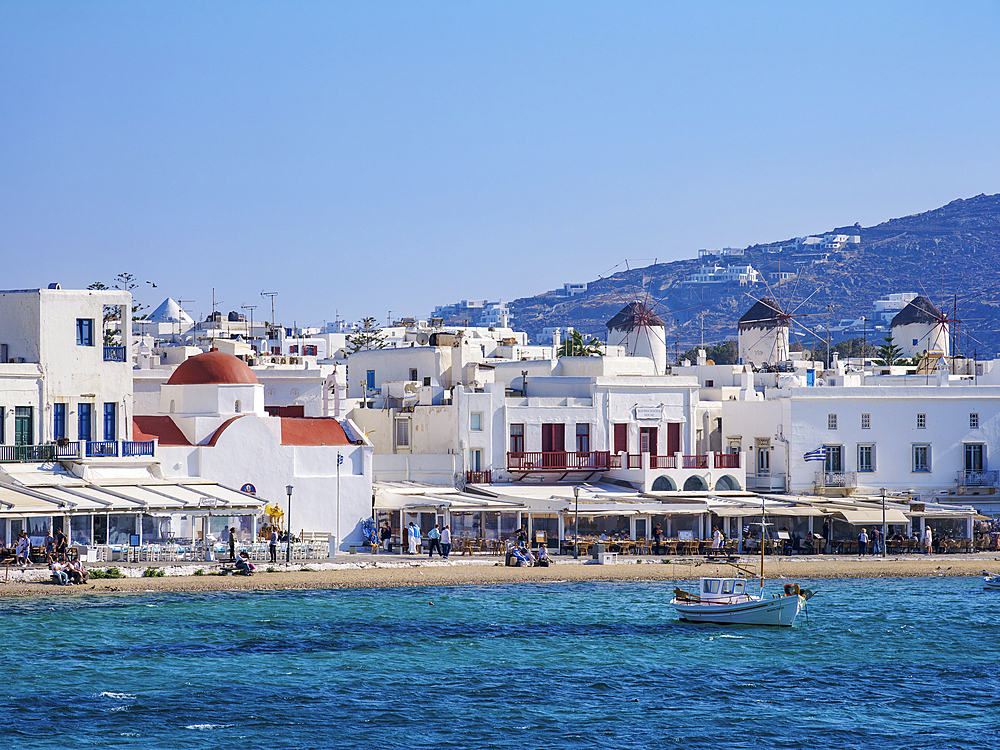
x=722, y=589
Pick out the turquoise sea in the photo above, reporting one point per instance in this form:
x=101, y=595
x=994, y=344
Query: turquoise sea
x=881, y=664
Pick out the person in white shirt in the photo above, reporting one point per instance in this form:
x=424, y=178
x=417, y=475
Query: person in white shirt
x=446, y=542
x=928, y=540
x=716, y=538
x=414, y=538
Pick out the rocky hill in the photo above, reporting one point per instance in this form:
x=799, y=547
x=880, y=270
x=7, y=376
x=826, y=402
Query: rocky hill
x=950, y=254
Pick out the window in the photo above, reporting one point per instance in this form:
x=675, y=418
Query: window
x=834, y=458
x=58, y=421
x=866, y=458
x=921, y=421
x=866, y=421
x=583, y=438
x=476, y=459
x=831, y=421
x=402, y=433
x=109, y=420
x=294, y=349
x=370, y=380
x=709, y=383
x=476, y=421
x=413, y=374
x=974, y=421
x=3, y=419
x=84, y=331
x=921, y=458
x=975, y=458
x=84, y=414
x=517, y=438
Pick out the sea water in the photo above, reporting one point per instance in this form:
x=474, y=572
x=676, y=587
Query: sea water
x=882, y=663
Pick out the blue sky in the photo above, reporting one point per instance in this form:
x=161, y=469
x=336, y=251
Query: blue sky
x=361, y=157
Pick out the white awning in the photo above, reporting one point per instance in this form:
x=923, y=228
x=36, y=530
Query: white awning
x=859, y=516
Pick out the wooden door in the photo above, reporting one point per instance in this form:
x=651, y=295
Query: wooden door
x=673, y=438
x=621, y=438
x=647, y=440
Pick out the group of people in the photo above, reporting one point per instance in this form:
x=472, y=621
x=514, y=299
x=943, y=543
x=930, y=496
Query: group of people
x=68, y=573
x=520, y=555
x=56, y=548
x=438, y=539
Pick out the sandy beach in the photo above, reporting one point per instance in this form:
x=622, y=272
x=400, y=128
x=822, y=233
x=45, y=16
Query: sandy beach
x=366, y=571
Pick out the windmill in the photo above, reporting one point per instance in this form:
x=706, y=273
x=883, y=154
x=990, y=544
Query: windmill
x=765, y=330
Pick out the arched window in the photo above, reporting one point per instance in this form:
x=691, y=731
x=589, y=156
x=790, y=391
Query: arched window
x=663, y=484
x=237, y=407
x=727, y=482
x=695, y=484
x=173, y=406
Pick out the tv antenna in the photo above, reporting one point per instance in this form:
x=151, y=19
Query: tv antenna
x=272, y=295
x=251, y=308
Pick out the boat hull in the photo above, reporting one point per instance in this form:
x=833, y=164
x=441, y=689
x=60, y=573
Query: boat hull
x=780, y=611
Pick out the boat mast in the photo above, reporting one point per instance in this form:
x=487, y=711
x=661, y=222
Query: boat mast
x=763, y=526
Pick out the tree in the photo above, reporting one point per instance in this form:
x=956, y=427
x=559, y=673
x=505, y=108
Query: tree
x=368, y=337
x=889, y=353
x=112, y=318
x=575, y=346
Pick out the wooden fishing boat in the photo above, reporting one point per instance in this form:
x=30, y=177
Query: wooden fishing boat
x=726, y=600
x=991, y=581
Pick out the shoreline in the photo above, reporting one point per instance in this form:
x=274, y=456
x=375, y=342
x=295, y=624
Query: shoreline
x=377, y=572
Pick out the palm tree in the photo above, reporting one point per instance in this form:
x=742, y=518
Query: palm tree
x=575, y=346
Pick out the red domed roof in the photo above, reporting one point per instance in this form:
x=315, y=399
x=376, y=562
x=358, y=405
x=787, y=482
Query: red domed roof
x=213, y=367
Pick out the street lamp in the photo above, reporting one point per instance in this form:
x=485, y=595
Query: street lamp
x=576, y=523
x=883, y=522
x=288, y=540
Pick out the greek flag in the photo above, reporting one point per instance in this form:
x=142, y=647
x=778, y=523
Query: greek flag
x=817, y=455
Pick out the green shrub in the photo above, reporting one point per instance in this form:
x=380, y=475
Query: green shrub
x=305, y=570
x=106, y=573
x=200, y=572
x=271, y=569
x=153, y=573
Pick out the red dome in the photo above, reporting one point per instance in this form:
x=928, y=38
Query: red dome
x=212, y=368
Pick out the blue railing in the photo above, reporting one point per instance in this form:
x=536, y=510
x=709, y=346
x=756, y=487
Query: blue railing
x=10, y=454
x=114, y=354
x=137, y=447
x=104, y=448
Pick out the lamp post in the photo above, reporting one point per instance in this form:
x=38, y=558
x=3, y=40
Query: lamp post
x=576, y=524
x=288, y=540
x=883, y=522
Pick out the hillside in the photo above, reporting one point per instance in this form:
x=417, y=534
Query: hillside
x=950, y=254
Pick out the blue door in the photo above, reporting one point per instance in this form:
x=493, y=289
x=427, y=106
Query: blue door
x=84, y=420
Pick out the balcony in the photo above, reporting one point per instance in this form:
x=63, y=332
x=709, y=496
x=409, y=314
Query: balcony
x=114, y=354
x=479, y=477
x=563, y=461
x=837, y=479
x=73, y=450
x=727, y=460
x=978, y=478
x=695, y=462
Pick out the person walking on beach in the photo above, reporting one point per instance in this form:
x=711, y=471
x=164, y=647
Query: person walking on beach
x=435, y=541
x=232, y=544
x=385, y=535
x=446, y=541
x=62, y=545
x=928, y=540
x=862, y=543
x=657, y=539
x=272, y=544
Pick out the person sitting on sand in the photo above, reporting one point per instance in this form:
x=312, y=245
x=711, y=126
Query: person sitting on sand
x=59, y=575
x=522, y=559
x=243, y=564
x=76, y=572
x=543, y=557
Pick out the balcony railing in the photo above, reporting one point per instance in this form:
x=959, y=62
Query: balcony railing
x=727, y=460
x=978, y=478
x=479, y=477
x=137, y=447
x=72, y=450
x=10, y=454
x=102, y=449
x=114, y=354
x=837, y=478
x=663, y=462
x=695, y=462
x=558, y=461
